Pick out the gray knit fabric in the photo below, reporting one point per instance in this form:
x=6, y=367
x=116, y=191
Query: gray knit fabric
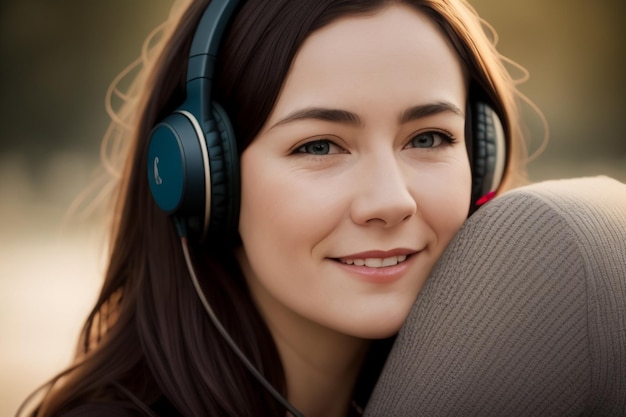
x=524, y=315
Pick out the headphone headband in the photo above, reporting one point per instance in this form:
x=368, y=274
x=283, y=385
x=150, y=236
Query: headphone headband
x=202, y=55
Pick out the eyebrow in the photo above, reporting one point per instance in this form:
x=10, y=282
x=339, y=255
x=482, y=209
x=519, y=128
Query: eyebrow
x=425, y=110
x=347, y=117
x=320, y=113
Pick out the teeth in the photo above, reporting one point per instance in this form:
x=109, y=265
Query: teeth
x=376, y=262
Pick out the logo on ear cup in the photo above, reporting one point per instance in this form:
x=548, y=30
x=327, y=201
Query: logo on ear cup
x=179, y=170
x=157, y=178
x=167, y=167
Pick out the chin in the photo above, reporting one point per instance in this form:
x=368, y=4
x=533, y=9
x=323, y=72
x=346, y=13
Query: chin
x=378, y=328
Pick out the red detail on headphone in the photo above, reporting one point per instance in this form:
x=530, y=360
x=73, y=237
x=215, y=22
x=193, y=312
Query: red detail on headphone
x=487, y=197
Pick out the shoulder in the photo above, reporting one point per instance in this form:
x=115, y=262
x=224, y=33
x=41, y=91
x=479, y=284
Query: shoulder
x=567, y=234
x=523, y=313
x=565, y=239
x=590, y=211
x=576, y=222
x=584, y=203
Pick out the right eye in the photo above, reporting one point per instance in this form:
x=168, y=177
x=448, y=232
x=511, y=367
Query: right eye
x=319, y=147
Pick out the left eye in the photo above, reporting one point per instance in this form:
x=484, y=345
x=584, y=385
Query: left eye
x=319, y=147
x=429, y=140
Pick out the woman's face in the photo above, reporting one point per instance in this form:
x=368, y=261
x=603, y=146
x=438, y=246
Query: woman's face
x=359, y=178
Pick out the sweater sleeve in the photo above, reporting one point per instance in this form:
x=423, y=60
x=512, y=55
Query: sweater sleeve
x=524, y=314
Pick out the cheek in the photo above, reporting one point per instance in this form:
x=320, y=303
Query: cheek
x=289, y=201
x=283, y=217
x=263, y=201
x=281, y=211
x=276, y=204
x=445, y=202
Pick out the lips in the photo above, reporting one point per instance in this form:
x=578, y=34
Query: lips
x=377, y=259
x=375, y=262
x=378, y=267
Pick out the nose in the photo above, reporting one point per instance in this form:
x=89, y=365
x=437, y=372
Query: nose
x=383, y=194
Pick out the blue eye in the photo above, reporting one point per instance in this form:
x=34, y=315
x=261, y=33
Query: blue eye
x=319, y=147
x=429, y=140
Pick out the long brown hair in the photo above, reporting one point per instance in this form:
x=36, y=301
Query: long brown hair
x=148, y=336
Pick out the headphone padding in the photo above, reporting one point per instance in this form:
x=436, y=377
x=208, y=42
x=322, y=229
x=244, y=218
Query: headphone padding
x=225, y=181
x=487, y=139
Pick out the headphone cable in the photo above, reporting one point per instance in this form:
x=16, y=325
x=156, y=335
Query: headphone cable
x=226, y=336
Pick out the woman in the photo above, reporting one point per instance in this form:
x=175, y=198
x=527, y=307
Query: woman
x=358, y=129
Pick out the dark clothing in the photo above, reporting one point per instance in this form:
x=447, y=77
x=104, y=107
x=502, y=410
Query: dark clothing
x=161, y=408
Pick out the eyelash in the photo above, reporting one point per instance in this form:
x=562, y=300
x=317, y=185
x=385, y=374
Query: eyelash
x=446, y=139
x=302, y=149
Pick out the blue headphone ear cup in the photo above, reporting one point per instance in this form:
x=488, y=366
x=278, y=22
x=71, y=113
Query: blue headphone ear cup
x=194, y=176
x=176, y=168
x=488, y=150
x=225, y=175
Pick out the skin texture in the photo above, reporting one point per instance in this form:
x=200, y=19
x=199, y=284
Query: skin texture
x=370, y=175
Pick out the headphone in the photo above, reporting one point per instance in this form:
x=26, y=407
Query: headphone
x=193, y=165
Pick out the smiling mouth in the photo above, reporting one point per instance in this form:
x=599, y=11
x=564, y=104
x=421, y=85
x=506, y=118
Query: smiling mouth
x=375, y=262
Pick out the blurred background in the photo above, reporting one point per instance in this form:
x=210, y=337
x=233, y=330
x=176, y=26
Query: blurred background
x=57, y=60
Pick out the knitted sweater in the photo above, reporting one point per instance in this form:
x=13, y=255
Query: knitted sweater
x=524, y=315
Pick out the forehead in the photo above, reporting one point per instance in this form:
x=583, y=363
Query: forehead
x=398, y=24
x=393, y=53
